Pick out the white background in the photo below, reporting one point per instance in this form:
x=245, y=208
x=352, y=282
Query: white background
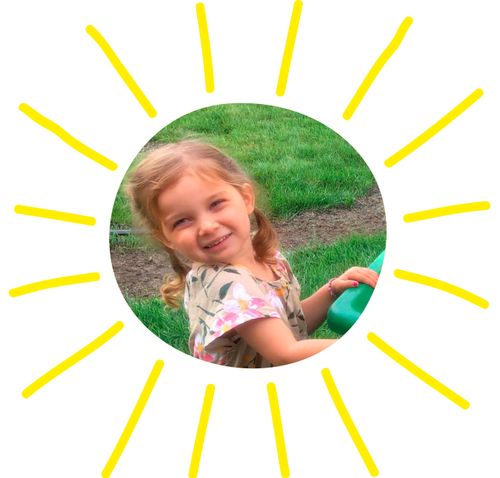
x=71, y=425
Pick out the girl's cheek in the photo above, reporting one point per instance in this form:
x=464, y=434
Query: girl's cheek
x=184, y=235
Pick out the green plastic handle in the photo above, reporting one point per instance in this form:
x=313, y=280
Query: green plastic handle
x=344, y=312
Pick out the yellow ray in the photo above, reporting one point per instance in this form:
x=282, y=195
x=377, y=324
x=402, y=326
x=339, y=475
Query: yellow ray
x=58, y=215
x=122, y=71
x=278, y=430
x=202, y=429
x=70, y=361
x=434, y=129
x=205, y=47
x=349, y=424
x=417, y=371
x=66, y=137
x=57, y=282
x=290, y=42
x=377, y=67
x=446, y=211
x=134, y=418
x=441, y=285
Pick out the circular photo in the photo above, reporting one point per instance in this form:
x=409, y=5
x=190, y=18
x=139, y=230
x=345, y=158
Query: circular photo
x=247, y=235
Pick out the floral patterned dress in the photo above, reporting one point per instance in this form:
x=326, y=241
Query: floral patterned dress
x=219, y=297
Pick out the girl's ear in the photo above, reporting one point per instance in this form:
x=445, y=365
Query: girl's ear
x=167, y=244
x=248, y=195
x=160, y=237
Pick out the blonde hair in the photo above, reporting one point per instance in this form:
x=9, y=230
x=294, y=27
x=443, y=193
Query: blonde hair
x=162, y=168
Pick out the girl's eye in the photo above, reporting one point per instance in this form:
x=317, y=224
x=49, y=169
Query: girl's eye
x=179, y=222
x=217, y=202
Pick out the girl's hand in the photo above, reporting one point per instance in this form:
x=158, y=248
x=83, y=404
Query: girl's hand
x=352, y=277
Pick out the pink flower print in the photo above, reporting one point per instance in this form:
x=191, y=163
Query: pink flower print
x=242, y=303
x=225, y=323
x=238, y=309
x=273, y=299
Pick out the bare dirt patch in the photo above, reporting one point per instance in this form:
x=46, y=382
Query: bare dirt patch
x=140, y=272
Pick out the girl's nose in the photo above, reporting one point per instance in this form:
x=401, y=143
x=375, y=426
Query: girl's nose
x=207, y=225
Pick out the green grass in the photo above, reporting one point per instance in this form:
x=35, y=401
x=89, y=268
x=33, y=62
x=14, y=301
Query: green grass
x=170, y=325
x=299, y=162
x=313, y=267
x=120, y=215
x=128, y=241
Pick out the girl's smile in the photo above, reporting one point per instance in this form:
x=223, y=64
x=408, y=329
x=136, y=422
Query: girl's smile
x=217, y=242
x=207, y=219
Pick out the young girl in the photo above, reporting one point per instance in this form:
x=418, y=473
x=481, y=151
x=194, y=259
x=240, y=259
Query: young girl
x=240, y=294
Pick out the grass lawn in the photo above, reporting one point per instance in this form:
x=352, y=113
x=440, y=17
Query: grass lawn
x=312, y=265
x=299, y=162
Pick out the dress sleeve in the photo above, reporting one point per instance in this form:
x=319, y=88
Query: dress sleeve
x=224, y=297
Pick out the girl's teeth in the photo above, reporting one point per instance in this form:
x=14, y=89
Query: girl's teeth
x=217, y=242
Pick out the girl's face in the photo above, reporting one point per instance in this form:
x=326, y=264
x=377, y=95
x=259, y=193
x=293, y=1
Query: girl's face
x=207, y=220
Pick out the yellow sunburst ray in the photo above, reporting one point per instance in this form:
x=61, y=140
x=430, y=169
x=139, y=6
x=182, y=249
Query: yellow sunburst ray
x=289, y=45
x=72, y=360
x=348, y=422
x=446, y=211
x=205, y=47
x=417, y=371
x=134, y=418
x=377, y=68
x=66, y=137
x=278, y=430
x=442, y=285
x=53, y=214
x=202, y=430
x=56, y=282
x=434, y=129
x=121, y=70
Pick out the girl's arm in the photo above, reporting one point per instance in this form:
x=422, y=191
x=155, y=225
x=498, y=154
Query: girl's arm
x=272, y=339
x=316, y=306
